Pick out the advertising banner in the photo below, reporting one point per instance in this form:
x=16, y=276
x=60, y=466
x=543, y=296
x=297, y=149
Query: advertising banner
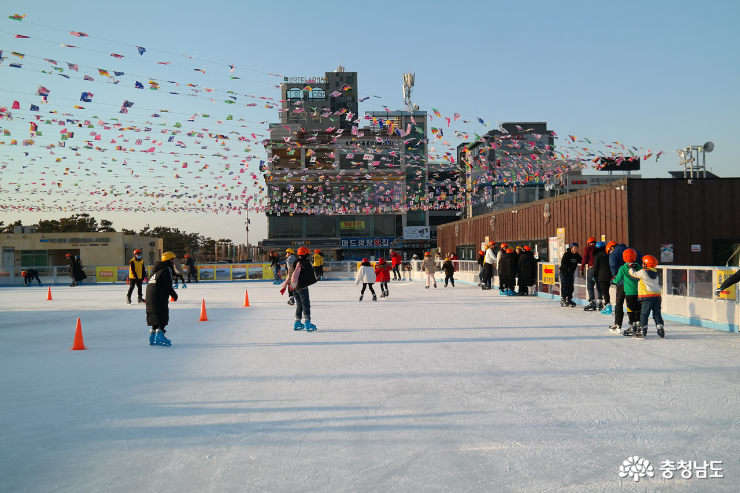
x=122, y=274
x=416, y=233
x=239, y=272
x=372, y=242
x=223, y=272
x=105, y=274
x=206, y=273
x=728, y=293
x=352, y=225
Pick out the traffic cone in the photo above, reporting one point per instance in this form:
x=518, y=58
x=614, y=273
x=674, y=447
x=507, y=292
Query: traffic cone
x=203, y=314
x=246, y=298
x=79, y=343
x=48, y=295
x=172, y=300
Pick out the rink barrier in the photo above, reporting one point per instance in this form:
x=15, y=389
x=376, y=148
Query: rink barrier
x=687, y=291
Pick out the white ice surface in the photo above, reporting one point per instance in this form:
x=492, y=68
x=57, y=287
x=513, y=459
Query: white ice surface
x=431, y=390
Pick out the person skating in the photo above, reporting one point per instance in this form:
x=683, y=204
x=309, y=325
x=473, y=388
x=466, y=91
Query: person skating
x=449, y=269
x=318, y=265
x=190, y=264
x=588, y=271
x=481, y=259
x=507, y=268
x=383, y=276
x=488, y=260
x=603, y=275
x=136, y=273
x=302, y=276
x=275, y=267
x=396, y=261
x=290, y=263
x=616, y=261
x=429, y=266
x=80, y=270
x=178, y=273
x=158, y=293
x=630, y=285
x=527, y=271
x=366, y=276
x=75, y=270
x=568, y=266
x=29, y=275
x=648, y=293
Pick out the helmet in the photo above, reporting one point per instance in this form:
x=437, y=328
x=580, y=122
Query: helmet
x=303, y=251
x=317, y=251
x=365, y=260
x=629, y=255
x=167, y=256
x=447, y=258
x=527, y=249
x=481, y=252
x=504, y=245
x=77, y=256
x=24, y=274
x=610, y=245
x=391, y=250
x=600, y=244
x=649, y=262
x=269, y=252
x=427, y=254
x=518, y=248
x=574, y=244
x=290, y=250
x=591, y=240
x=69, y=255
x=381, y=261
x=493, y=243
x=509, y=250
x=137, y=251
x=187, y=256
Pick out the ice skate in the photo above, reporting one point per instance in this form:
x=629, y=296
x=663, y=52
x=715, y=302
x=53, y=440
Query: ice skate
x=386, y=294
x=298, y=325
x=453, y=284
x=591, y=307
x=128, y=300
x=375, y=298
x=175, y=286
x=309, y=326
x=564, y=303
x=184, y=286
x=629, y=332
x=615, y=329
x=445, y=284
x=291, y=301
x=141, y=300
x=600, y=306
x=382, y=294
x=152, y=333
x=638, y=332
x=661, y=332
x=426, y=287
x=435, y=284
x=607, y=310
x=502, y=292
x=571, y=303
x=512, y=292
x=160, y=339
x=362, y=296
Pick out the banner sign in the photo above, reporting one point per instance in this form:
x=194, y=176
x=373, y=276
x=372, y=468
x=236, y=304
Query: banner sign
x=205, y=273
x=352, y=225
x=372, y=242
x=728, y=293
x=105, y=274
x=548, y=274
x=416, y=232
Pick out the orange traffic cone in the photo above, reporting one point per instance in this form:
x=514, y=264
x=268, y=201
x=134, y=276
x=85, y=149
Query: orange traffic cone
x=203, y=314
x=172, y=300
x=79, y=343
x=246, y=298
x=48, y=295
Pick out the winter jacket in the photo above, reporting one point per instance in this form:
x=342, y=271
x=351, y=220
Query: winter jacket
x=499, y=255
x=648, y=287
x=624, y=277
x=481, y=258
x=318, y=260
x=302, y=274
x=508, y=265
x=490, y=258
x=190, y=264
x=448, y=268
x=588, y=257
x=527, y=271
x=601, y=265
x=365, y=274
x=429, y=266
x=570, y=262
x=383, y=272
x=177, y=267
x=733, y=279
x=290, y=263
x=75, y=270
x=616, y=259
x=396, y=259
x=136, y=268
x=274, y=261
x=158, y=292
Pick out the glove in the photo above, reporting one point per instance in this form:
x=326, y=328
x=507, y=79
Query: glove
x=175, y=297
x=282, y=291
x=717, y=291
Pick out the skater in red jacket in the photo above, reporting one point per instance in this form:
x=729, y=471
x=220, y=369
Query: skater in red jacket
x=396, y=260
x=383, y=276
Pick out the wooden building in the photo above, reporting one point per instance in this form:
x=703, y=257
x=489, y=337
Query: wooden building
x=697, y=220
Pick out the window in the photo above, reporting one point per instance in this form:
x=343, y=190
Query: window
x=416, y=218
x=385, y=226
x=350, y=80
x=34, y=258
x=283, y=226
x=336, y=83
x=321, y=226
x=295, y=93
x=317, y=94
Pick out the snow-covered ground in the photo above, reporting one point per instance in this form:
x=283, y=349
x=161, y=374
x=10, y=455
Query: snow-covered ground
x=430, y=390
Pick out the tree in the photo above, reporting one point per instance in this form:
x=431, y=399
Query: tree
x=10, y=228
x=76, y=223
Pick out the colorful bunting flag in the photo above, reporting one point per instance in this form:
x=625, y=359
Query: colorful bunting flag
x=78, y=34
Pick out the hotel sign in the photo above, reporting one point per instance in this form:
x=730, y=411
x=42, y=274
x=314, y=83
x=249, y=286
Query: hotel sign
x=305, y=80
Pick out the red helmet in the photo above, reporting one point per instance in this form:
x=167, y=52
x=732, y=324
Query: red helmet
x=649, y=262
x=481, y=252
x=591, y=240
x=509, y=250
x=137, y=251
x=187, y=256
x=317, y=251
x=527, y=249
x=629, y=255
x=365, y=260
x=69, y=255
x=504, y=245
x=610, y=245
x=381, y=261
x=24, y=274
x=427, y=254
x=303, y=251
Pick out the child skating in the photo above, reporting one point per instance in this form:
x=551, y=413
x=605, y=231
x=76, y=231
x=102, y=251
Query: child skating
x=158, y=293
x=449, y=271
x=648, y=293
x=301, y=278
x=366, y=276
x=29, y=275
x=383, y=276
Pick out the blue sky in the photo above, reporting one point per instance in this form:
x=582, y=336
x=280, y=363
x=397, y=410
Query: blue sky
x=656, y=75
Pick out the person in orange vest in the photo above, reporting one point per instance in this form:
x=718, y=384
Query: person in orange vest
x=135, y=276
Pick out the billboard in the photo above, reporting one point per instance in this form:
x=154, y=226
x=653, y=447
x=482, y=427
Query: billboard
x=205, y=273
x=105, y=274
x=621, y=164
x=416, y=232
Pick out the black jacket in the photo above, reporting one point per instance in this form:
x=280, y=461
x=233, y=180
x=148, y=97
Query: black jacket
x=733, y=279
x=481, y=258
x=75, y=270
x=307, y=275
x=274, y=260
x=601, y=267
x=570, y=262
x=448, y=268
x=527, y=269
x=158, y=292
x=508, y=266
x=190, y=263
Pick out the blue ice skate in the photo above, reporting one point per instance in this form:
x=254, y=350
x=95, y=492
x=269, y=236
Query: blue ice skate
x=607, y=310
x=511, y=292
x=175, y=286
x=151, y=337
x=184, y=286
x=161, y=340
x=309, y=326
x=298, y=325
x=502, y=292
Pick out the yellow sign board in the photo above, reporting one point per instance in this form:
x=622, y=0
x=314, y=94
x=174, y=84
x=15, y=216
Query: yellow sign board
x=105, y=274
x=352, y=225
x=561, y=232
x=548, y=274
x=728, y=293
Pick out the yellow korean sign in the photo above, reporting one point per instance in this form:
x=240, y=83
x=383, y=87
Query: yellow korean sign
x=548, y=274
x=728, y=293
x=105, y=274
x=353, y=224
x=561, y=232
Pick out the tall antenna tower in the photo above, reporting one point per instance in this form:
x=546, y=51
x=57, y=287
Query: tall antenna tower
x=408, y=86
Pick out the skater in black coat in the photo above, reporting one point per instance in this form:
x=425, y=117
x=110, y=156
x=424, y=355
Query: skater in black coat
x=527, y=271
x=603, y=272
x=507, y=268
x=75, y=270
x=158, y=292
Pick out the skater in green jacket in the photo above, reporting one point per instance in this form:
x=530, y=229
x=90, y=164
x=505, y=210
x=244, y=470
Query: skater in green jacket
x=630, y=290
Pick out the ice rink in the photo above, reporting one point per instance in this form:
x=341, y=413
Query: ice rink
x=450, y=390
